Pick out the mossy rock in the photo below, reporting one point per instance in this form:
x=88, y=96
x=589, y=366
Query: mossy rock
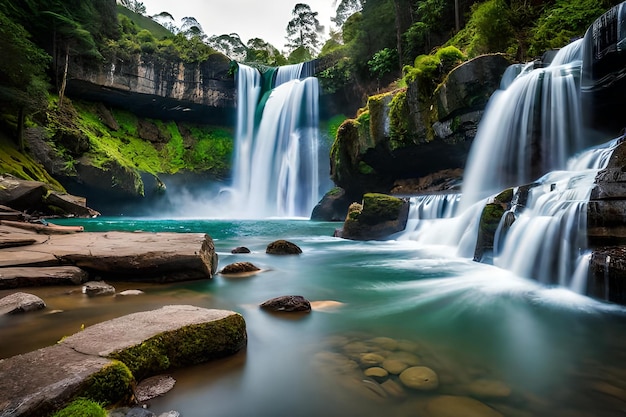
x=81, y=407
x=112, y=385
x=283, y=247
x=380, y=207
x=489, y=221
x=377, y=218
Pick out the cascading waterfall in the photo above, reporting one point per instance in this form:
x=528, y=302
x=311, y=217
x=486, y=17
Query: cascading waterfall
x=531, y=129
x=528, y=129
x=276, y=151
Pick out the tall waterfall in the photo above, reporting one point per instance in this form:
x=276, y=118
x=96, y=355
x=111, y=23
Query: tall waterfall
x=276, y=169
x=530, y=134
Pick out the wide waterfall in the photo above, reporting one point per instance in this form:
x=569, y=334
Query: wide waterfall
x=529, y=141
x=276, y=169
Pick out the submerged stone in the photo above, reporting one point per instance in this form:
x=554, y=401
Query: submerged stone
x=283, y=247
x=287, y=303
x=20, y=302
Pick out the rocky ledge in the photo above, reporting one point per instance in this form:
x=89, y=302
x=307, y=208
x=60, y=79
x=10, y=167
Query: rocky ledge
x=32, y=256
x=104, y=361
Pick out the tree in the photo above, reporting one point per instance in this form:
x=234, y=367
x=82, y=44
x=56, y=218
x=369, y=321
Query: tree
x=23, y=85
x=345, y=9
x=304, y=29
x=230, y=45
x=264, y=53
x=134, y=6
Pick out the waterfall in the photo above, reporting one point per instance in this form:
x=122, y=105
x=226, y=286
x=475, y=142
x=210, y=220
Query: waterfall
x=530, y=128
x=530, y=134
x=276, y=172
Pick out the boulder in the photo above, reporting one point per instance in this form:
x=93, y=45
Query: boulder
x=287, y=303
x=153, y=387
x=121, y=256
x=420, y=378
x=68, y=203
x=283, y=247
x=240, y=249
x=239, y=268
x=20, y=194
x=332, y=207
x=102, y=361
x=19, y=277
x=20, y=302
x=469, y=86
x=98, y=288
x=378, y=217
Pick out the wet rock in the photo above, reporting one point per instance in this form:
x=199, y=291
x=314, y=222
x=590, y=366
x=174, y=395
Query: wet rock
x=409, y=358
x=333, y=206
x=378, y=217
x=420, y=378
x=19, y=277
x=287, y=303
x=371, y=359
x=153, y=387
x=98, y=288
x=139, y=412
x=283, y=247
x=240, y=249
x=392, y=388
x=20, y=302
x=453, y=406
x=394, y=366
x=239, y=268
x=376, y=373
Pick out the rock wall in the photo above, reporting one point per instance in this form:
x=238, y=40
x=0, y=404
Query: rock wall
x=406, y=134
x=170, y=90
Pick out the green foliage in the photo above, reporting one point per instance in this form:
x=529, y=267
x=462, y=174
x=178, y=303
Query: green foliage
x=333, y=125
x=300, y=54
x=450, y=57
x=564, y=21
x=82, y=407
x=140, y=22
x=383, y=62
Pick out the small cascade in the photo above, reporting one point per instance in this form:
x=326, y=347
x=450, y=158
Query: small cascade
x=276, y=151
x=530, y=128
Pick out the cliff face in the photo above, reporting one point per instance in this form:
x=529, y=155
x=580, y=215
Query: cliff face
x=405, y=135
x=202, y=92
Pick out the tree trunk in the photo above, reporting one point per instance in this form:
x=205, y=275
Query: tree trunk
x=457, y=19
x=64, y=82
x=404, y=19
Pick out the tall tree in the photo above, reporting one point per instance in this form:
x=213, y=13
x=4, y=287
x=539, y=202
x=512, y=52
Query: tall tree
x=345, y=9
x=304, y=29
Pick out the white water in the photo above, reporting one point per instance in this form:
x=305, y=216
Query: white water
x=276, y=169
x=530, y=128
x=532, y=125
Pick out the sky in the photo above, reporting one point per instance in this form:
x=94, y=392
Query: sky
x=248, y=18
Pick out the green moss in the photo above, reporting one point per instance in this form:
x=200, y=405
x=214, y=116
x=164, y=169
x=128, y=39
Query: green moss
x=380, y=207
x=212, y=150
x=332, y=126
x=450, y=57
x=490, y=218
x=334, y=191
x=365, y=169
x=23, y=166
x=398, y=119
x=81, y=407
x=505, y=197
x=190, y=345
x=112, y=385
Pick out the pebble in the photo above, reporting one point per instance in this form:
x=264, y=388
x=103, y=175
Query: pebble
x=420, y=378
x=376, y=372
x=394, y=366
x=454, y=406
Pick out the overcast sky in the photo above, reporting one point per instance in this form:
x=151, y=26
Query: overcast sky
x=248, y=18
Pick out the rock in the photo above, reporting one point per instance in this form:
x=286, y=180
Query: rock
x=602, y=78
x=153, y=387
x=445, y=180
x=146, y=343
x=117, y=181
x=139, y=412
x=130, y=292
x=170, y=414
x=239, y=268
x=20, y=302
x=36, y=196
x=394, y=366
x=377, y=373
x=385, y=342
x=378, y=217
x=98, y=288
x=420, y=378
x=469, y=86
x=18, y=277
x=122, y=256
x=371, y=359
x=392, y=388
x=283, y=247
x=453, y=406
x=332, y=207
x=287, y=303
x=240, y=249
x=409, y=358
